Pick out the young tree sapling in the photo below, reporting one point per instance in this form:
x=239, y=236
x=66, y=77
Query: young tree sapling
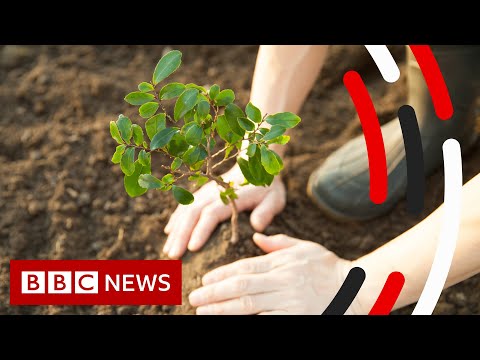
x=208, y=116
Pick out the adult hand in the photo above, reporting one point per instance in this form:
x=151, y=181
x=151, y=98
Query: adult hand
x=296, y=277
x=191, y=226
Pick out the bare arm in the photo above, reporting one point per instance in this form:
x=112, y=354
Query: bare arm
x=284, y=75
x=302, y=277
x=412, y=254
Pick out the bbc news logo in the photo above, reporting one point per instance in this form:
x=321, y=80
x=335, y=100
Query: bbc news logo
x=59, y=282
x=95, y=282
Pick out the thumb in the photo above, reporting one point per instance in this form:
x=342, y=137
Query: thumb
x=275, y=242
x=263, y=214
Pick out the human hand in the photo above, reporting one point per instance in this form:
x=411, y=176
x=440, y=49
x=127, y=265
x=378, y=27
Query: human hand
x=296, y=277
x=191, y=226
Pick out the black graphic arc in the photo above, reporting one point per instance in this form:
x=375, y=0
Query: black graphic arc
x=347, y=292
x=414, y=157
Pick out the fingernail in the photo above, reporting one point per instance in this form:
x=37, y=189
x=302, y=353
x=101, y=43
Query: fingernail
x=193, y=245
x=165, y=249
x=260, y=237
x=194, y=298
x=174, y=253
x=203, y=310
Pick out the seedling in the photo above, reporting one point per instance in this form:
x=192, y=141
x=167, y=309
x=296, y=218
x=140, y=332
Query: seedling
x=191, y=146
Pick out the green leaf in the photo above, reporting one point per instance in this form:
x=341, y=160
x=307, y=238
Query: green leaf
x=125, y=127
x=270, y=161
x=168, y=179
x=246, y=124
x=285, y=119
x=194, y=135
x=117, y=156
x=199, y=179
x=200, y=98
x=177, y=146
x=224, y=130
x=171, y=91
x=183, y=196
x=176, y=163
x=127, y=162
x=155, y=124
x=145, y=87
x=138, y=98
x=145, y=145
x=194, y=154
x=224, y=198
x=163, y=138
x=279, y=159
x=187, y=127
x=256, y=168
x=137, y=134
x=131, y=182
x=166, y=66
x=225, y=97
x=228, y=150
x=197, y=166
x=230, y=193
x=203, y=109
x=185, y=103
x=282, y=140
x=145, y=158
x=275, y=131
x=253, y=113
x=246, y=171
x=149, y=109
x=195, y=86
x=252, y=148
x=214, y=91
x=115, y=133
x=263, y=131
x=213, y=142
x=150, y=182
x=189, y=116
x=232, y=113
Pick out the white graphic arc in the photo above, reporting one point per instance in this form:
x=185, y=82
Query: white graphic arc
x=385, y=62
x=447, y=241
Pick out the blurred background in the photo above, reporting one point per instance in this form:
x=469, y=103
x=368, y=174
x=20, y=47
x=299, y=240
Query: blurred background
x=62, y=198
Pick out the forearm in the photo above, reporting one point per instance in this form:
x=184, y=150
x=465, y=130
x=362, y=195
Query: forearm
x=412, y=254
x=284, y=75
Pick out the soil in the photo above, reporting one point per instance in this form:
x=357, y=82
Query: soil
x=62, y=198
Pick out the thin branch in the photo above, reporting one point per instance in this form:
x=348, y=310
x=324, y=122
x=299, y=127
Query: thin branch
x=226, y=159
x=225, y=148
x=209, y=157
x=163, y=107
x=150, y=151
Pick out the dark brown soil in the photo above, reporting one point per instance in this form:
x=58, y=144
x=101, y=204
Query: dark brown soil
x=62, y=198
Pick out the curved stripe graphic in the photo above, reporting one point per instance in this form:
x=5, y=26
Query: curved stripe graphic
x=347, y=292
x=389, y=294
x=385, y=62
x=434, y=79
x=452, y=159
x=414, y=157
x=377, y=161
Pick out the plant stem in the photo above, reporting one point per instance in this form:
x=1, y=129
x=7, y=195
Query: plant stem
x=234, y=222
x=209, y=157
